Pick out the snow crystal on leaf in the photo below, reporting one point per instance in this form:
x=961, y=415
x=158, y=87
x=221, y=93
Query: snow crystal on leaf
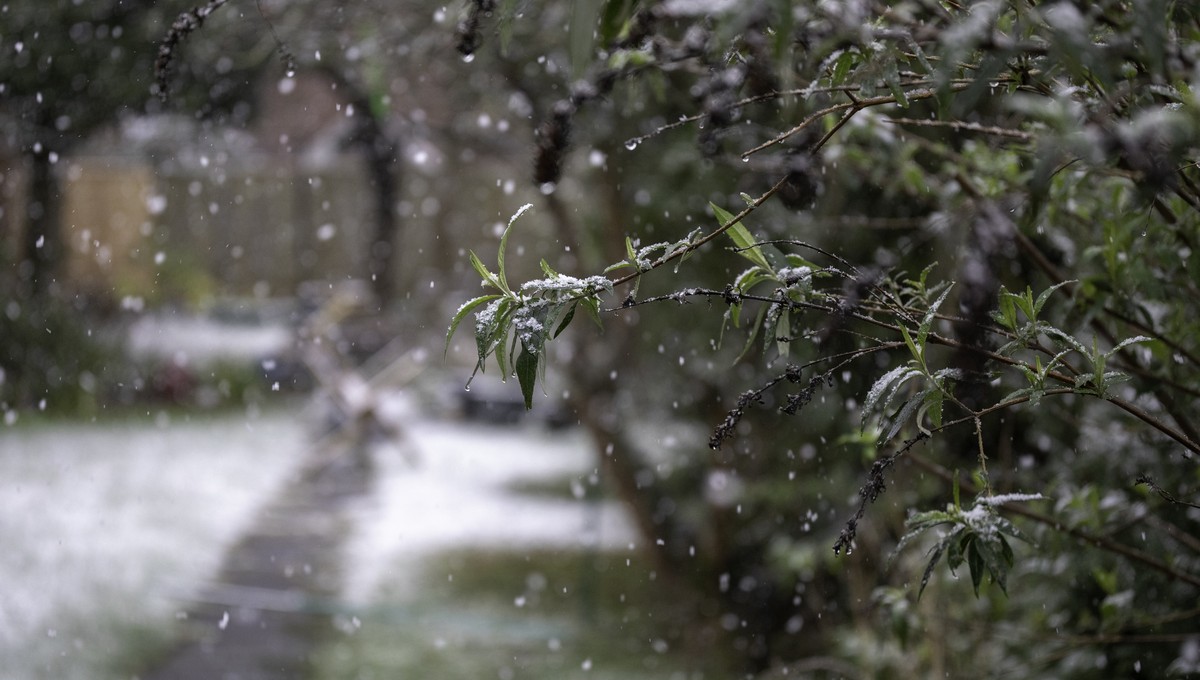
x=1009, y=498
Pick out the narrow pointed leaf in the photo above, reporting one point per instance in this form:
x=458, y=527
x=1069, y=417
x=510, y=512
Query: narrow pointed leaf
x=748, y=247
x=935, y=555
x=527, y=370
x=927, y=322
x=504, y=244
x=1041, y=299
x=483, y=271
x=462, y=313
x=912, y=346
x=562, y=326
x=975, y=565
x=880, y=388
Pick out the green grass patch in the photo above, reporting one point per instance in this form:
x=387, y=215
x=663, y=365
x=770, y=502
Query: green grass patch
x=572, y=487
x=533, y=614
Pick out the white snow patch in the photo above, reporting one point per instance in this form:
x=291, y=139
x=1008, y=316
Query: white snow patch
x=456, y=496
x=98, y=522
x=1001, y=499
x=203, y=340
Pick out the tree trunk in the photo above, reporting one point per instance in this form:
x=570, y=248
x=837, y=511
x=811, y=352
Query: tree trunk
x=41, y=246
x=381, y=153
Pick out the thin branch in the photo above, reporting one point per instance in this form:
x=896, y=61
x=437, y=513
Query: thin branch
x=807, y=91
x=869, y=492
x=1135, y=411
x=184, y=25
x=289, y=59
x=962, y=125
x=1148, y=481
x=754, y=205
x=1192, y=448
x=837, y=108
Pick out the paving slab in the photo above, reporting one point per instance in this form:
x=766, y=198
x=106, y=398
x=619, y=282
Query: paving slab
x=275, y=596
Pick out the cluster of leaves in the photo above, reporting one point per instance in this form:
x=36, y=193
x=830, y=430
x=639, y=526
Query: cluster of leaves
x=793, y=285
x=929, y=399
x=1028, y=332
x=976, y=536
x=514, y=325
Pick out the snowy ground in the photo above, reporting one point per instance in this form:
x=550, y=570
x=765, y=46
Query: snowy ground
x=99, y=523
x=450, y=488
x=105, y=526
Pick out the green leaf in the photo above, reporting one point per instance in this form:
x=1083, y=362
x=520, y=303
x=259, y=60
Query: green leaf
x=614, y=19
x=562, y=326
x=893, y=82
x=841, y=67
x=465, y=309
x=897, y=375
x=954, y=554
x=997, y=569
x=906, y=413
x=585, y=16
x=483, y=271
x=1125, y=343
x=507, y=19
x=921, y=58
x=1026, y=303
x=1041, y=300
x=1006, y=315
x=527, y=371
x=747, y=246
x=932, y=408
x=912, y=347
x=1006, y=527
x=592, y=306
x=1006, y=551
x=620, y=265
x=754, y=329
x=976, y=565
x=504, y=353
x=929, y=519
x=1068, y=339
x=504, y=245
x=935, y=554
x=750, y=278
x=927, y=322
x=1032, y=394
x=794, y=260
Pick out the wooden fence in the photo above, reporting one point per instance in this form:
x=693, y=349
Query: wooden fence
x=139, y=231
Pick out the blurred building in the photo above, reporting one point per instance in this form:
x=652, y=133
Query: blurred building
x=168, y=209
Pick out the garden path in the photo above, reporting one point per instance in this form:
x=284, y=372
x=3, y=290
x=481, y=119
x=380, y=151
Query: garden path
x=275, y=593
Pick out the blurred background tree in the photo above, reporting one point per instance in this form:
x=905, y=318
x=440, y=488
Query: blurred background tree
x=72, y=69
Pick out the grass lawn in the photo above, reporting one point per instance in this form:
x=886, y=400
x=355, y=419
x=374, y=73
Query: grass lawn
x=535, y=614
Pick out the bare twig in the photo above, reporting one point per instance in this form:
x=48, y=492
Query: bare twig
x=184, y=25
x=963, y=126
x=1148, y=481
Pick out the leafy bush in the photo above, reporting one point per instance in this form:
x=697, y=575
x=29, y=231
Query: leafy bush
x=1042, y=149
